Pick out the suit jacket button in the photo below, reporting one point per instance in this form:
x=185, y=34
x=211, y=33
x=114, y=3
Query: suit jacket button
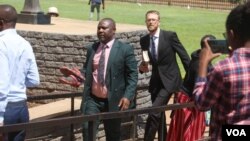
x=113, y=77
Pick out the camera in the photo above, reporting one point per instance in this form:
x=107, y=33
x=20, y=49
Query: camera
x=219, y=46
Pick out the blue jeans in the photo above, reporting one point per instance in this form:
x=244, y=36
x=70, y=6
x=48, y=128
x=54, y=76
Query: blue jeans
x=16, y=112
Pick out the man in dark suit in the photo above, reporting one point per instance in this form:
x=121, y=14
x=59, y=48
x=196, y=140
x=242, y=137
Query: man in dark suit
x=111, y=79
x=161, y=47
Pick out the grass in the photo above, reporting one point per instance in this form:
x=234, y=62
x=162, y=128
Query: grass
x=190, y=24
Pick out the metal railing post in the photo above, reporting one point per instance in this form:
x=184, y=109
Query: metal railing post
x=134, y=126
x=92, y=130
x=161, y=135
x=72, y=136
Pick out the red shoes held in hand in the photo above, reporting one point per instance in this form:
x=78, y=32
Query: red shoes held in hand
x=71, y=77
x=70, y=80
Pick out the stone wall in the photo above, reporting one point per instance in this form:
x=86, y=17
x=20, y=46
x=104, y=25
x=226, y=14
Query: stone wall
x=53, y=51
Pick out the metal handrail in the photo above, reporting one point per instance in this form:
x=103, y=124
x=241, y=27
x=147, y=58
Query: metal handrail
x=83, y=118
x=52, y=96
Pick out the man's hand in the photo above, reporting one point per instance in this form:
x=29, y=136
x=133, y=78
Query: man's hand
x=124, y=104
x=143, y=68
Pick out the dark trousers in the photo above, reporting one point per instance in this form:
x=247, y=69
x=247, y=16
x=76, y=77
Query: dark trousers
x=93, y=6
x=112, y=127
x=154, y=120
x=16, y=112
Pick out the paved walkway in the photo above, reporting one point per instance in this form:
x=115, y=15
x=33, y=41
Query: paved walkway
x=74, y=27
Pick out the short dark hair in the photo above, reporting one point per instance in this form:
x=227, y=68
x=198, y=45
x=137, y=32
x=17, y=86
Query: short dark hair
x=111, y=21
x=9, y=14
x=209, y=36
x=238, y=20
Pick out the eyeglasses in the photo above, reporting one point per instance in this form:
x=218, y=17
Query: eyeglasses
x=153, y=20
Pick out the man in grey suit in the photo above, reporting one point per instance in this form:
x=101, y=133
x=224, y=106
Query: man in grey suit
x=162, y=47
x=111, y=79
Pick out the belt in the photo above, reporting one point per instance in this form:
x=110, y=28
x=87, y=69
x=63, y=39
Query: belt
x=98, y=98
x=17, y=103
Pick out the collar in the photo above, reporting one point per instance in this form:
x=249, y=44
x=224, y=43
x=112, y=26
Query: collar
x=243, y=51
x=7, y=31
x=109, y=44
x=157, y=33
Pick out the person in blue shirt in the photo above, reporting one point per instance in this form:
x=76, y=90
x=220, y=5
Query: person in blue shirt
x=18, y=71
x=95, y=4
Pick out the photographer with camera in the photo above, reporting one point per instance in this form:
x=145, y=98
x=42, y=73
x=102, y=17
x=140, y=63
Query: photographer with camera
x=226, y=88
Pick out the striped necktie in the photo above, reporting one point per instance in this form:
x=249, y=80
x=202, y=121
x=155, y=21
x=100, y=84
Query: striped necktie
x=101, y=66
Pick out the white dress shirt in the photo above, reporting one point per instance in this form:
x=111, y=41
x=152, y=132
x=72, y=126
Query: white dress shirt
x=18, y=68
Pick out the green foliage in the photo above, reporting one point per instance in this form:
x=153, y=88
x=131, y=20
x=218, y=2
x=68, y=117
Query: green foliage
x=190, y=24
